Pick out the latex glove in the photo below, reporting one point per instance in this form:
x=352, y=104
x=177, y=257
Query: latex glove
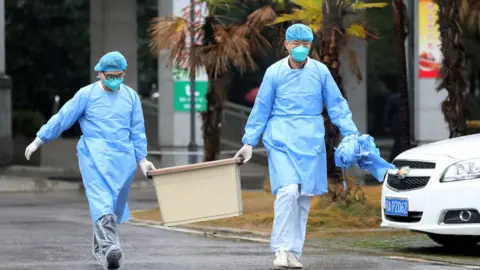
x=146, y=166
x=31, y=148
x=245, y=152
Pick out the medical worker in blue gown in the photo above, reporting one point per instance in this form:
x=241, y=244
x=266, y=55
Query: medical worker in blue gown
x=112, y=144
x=288, y=111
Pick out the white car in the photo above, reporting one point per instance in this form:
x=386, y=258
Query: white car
x=440, y=195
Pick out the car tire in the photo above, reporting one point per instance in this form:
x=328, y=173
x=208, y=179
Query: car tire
x=455, y=241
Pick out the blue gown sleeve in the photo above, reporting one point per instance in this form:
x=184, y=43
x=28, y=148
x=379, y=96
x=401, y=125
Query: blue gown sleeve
x=66, y=116
x=337, y=107
x=137, y=130
x=258, y=118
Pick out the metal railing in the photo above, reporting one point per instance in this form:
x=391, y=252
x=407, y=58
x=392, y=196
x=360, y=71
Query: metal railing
x=6, y=145
x=234, y=119
x=233, y=127
x=150, y=112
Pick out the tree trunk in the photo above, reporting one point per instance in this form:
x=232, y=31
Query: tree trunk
x=212, y=117
x=330, y=59
x=330, y=56
x=211, y=120
x=400, y=23
x=333, y=37
x=455, y=106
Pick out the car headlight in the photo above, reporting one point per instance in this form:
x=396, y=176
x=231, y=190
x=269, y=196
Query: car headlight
x=463, y=170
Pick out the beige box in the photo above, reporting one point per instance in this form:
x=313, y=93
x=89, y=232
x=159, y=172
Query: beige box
x=198, y=192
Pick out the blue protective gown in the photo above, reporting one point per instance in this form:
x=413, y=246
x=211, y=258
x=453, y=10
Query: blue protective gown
x=288, y=111
x=113, y=141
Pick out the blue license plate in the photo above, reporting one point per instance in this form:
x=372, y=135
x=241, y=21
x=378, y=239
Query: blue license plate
x=396, y=207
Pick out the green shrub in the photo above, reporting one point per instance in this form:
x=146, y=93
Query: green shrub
x=26, y=123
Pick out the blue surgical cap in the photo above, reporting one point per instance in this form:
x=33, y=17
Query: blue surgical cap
x=299, y=32
x=112, y=61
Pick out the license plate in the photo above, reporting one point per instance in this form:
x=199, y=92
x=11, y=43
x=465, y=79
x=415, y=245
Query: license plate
x=396, y=207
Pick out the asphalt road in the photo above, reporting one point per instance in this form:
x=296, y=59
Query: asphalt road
x=53, y=231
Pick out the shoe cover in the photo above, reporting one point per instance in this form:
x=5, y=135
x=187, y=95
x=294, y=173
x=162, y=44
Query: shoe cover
x=106, y=244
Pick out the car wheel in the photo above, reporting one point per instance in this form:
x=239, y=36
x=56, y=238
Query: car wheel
x=455, y=241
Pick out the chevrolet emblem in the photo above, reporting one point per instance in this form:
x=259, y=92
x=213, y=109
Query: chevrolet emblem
x=404, y=171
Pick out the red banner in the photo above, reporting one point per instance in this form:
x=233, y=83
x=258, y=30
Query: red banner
x=430, y=55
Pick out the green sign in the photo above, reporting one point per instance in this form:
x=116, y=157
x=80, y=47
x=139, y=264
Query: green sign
x=181, y=96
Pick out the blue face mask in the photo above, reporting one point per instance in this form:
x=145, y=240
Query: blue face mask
x=113, y=83
x=299, y=53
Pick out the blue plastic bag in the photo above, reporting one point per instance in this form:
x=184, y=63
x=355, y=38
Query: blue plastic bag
x=362, y=152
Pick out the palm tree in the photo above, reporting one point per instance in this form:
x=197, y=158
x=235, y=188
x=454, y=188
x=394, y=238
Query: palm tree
x=452, y=14
x=327, y=18
x=453, y=70
x=400, y=24
x=226, y=43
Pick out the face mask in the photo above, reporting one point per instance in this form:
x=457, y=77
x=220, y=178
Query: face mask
x=113, y=83
x=299, y=53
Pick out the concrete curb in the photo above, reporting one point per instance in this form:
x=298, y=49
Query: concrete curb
x=142, y=184
x=205, y=229
x=37, y=169
x=28, y=184
x=226, y=230
x=242, y=232
x=23, y=184
x=186, y=229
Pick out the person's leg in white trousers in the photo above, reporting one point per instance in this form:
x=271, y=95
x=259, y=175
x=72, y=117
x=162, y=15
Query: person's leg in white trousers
x=289, y=226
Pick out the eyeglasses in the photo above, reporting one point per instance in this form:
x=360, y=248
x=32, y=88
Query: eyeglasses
x=296, y=43
x=114, y=76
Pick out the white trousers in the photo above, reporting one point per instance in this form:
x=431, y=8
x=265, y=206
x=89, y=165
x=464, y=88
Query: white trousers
x=290, y=220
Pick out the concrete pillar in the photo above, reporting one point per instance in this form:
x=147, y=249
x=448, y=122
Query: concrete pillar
x=356, y=91
x=174, y=126
x=113, y=27
x=429, y=122
x=165, y=87
x=6, y=146
x=2, y=37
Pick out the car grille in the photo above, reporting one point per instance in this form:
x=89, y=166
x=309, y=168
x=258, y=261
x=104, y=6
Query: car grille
x=407, y=183
x=412, y=217
x=414, y=164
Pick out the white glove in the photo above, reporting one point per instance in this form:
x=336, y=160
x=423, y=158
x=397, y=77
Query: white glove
x=245, y=152
x=32, y=147
x=146, y=166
